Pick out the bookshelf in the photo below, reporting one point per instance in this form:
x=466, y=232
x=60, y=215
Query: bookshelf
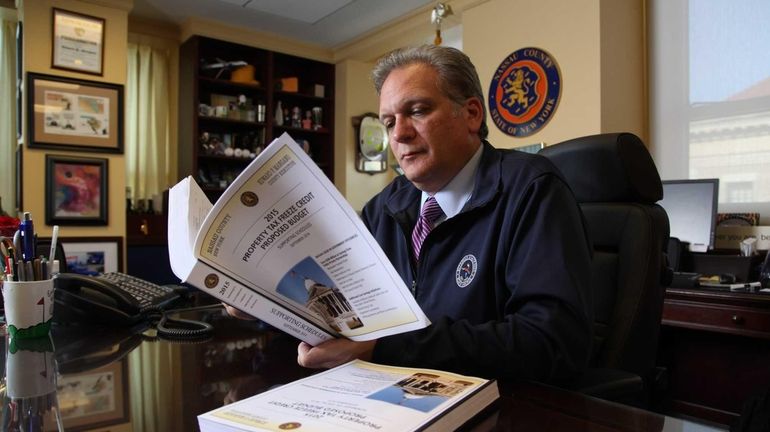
x=230, y=99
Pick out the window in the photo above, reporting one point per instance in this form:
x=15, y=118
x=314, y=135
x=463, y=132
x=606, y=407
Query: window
x=710, y=97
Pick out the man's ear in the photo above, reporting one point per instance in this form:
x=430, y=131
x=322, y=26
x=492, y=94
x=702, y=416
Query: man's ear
x=474, y=114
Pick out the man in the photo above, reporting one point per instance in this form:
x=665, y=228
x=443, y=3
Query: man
x=504, y=273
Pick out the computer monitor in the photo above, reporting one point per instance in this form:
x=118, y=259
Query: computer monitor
x=691, y=206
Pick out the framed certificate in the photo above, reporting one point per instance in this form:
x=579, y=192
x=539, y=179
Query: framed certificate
x=78, y=42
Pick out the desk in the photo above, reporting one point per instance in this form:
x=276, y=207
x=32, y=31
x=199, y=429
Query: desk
x=716, y=348
x=123, y=381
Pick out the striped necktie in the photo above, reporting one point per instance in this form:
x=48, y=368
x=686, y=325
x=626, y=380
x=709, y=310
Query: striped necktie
x=431, y=211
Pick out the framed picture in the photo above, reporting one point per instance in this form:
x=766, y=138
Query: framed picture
x=93, y=255
x=78, y=42
x=75, y=190
x=92, y=399
x=72, y=114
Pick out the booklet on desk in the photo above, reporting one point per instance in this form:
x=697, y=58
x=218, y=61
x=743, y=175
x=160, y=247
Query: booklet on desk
x=359, y=397
x=283, y=245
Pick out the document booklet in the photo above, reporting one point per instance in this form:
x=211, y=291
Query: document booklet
x=283, y=245
x=360, y=397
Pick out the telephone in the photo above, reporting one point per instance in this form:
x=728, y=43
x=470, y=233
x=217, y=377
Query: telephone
x=110, y=298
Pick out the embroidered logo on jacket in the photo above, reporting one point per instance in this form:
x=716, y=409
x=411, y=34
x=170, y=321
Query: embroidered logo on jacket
x=466, y=271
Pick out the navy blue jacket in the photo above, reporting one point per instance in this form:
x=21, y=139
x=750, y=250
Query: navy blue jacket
x=505, y=282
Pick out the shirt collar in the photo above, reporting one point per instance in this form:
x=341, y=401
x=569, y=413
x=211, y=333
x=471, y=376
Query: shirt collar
x=458, y=191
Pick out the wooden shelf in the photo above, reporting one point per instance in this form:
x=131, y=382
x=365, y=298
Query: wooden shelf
x=223, y=158
x=296, y=95
x=198, y=88
x=226, y=84
x=230, y=121
x=292, y=130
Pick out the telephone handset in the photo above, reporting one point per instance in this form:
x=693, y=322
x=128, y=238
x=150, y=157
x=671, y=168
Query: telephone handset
x=113, y=298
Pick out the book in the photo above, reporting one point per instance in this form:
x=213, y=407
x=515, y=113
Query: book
x=359, y=397
x=283, y=245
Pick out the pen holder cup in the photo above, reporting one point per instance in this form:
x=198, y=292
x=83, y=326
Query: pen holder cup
x=30, y=368
x=28, y=308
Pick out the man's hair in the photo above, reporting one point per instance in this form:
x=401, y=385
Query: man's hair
x=458, y=79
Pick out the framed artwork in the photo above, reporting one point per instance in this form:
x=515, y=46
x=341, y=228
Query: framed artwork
x=78, y=42
x=92, y=399
x=72, y=114
x=93, y=255
x=75, y=190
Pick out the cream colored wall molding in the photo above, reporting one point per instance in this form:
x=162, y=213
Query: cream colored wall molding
x=159, y=29
x=217, y=30
x=125, y=5
x=404, y=31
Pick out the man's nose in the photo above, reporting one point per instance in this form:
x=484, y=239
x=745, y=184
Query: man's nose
x=403, y=130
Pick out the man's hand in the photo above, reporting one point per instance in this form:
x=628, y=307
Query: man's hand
x=333, y=353
x=237, y=312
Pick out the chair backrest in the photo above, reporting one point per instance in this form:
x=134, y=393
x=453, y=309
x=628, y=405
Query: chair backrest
x=617, y=186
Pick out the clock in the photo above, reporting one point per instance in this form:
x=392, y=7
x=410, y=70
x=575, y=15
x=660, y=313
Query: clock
x=372, y=140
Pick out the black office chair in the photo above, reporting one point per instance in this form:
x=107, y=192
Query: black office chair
x=617, y=186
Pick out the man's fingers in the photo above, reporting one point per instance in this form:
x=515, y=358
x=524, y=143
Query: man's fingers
x=237, y=313
x=302, y=354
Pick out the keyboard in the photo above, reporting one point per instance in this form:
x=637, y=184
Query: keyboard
x=146, y=293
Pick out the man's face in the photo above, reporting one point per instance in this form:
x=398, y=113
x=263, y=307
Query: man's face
x=431, y=136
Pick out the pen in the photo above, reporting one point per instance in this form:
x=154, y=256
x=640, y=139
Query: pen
x=17, y=241
x=9, y=269
x=54, y=239
x=44, y=271
x=12, y=264
x=3, y=255
x=4, y=243
x=20, y=271
x=27, y=230
x=37, y=269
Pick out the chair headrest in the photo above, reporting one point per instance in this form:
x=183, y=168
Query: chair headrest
x=607, y=167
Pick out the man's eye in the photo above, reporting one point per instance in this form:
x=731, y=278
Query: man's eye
x=388, y=124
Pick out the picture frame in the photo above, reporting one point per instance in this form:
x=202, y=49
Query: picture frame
x=92, y=399
x=75, y=190
x=72, y=114
x=93, y=255
x=78, y=42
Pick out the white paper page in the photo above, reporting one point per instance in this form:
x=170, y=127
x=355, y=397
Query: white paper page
x=357, y=396
x=188, y=207
x=284, y=228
